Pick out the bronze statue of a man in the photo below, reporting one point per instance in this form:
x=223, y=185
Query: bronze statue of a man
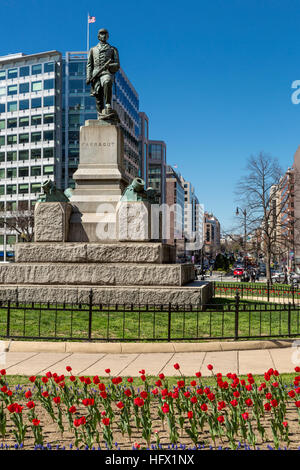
x=103, y=62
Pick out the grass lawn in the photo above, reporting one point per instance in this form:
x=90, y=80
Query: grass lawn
x=215, y=322
x=256, y=289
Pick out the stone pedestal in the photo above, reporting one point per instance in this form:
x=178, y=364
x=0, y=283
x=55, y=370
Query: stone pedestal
x=100, y=182
x=134, y=221
x=51, y=221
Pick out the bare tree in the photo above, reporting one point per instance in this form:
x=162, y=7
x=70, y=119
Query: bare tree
x=21, y=222
x=260, y=192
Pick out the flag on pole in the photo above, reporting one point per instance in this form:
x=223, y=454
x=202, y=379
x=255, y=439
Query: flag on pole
x=92, y=19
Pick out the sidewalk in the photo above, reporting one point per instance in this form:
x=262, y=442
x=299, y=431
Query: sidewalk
x=256, y=361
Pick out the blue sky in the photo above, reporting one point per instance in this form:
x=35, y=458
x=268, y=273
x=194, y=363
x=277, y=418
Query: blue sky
x=213, y=76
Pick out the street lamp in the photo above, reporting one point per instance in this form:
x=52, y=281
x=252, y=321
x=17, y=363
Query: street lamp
x=244, y=212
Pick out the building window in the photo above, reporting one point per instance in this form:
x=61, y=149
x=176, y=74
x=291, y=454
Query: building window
x=12, y=73
x=36, y=69
x=12, y=90
x=49, y=84
x=36, y=136
x=48, y=67
x=48, y=135
x=36, y=86
x=2, y=190
x=2, y=140
x=78, y=68
x=2, y=108
x=2, y=74
x=24, y=71
x=23, y=155
x=76, y=103
x=11, y=172
x=23, y=172
x=23, y=138
x=24, y=121
x=23, y=205
x=35, y=171
x=23, y=104
x=2, y=91
x=2, y=173
x=48, y=101
x=48, y=152
x=2, y=156
x=48, y=118
x=12, y=106
x=35, y=153
x=47, y=170
x=24, y=88
x=11, y=189
x=12, y=156
x=2, y=123
x=23, y=188
x=11, y=139
x=11, y=206
x=76, y=86
x=36, y=120
x=36, y=102
x=35, y=188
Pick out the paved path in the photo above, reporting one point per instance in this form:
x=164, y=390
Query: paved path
x=240, y=362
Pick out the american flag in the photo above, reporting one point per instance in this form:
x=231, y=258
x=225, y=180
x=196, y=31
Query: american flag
x=92, y=19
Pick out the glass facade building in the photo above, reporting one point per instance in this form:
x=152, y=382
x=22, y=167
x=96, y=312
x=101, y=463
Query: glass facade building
x=30, y=134
x=157, y=168
x=79, y=106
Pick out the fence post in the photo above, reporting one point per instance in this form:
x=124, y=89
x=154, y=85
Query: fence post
x=90, y=314
x=268, y=290
x=8, y=319
x=169, y=322
x=289, y=319
x=293, y=293
x=236, y=323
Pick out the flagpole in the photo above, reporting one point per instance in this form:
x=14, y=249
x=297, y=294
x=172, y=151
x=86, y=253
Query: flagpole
x=88, y=31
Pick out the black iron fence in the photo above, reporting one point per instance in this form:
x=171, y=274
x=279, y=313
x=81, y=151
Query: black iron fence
x=258, y=291
x=232, y=319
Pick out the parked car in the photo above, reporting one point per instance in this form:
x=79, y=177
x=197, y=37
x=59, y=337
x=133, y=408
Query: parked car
x=278, y=276
x=238, y=272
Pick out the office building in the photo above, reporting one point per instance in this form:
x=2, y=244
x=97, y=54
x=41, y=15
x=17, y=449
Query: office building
x=156, y=171
x=175, y=200
x=30, y=135
x=212, y=235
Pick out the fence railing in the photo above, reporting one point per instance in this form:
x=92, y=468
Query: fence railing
x=89, y=322
x=258, y=291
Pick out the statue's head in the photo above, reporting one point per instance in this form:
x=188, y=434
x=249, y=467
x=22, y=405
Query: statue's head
x=103, y=35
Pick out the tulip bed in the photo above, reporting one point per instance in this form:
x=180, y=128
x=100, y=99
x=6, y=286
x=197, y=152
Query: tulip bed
x=90, y=412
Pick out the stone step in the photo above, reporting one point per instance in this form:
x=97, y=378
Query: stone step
x=196, y=293
x=156, y=253
x=109, y=274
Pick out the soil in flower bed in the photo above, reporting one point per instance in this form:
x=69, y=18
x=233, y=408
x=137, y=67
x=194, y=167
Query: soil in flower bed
x=186, y=413
x=53, y=437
